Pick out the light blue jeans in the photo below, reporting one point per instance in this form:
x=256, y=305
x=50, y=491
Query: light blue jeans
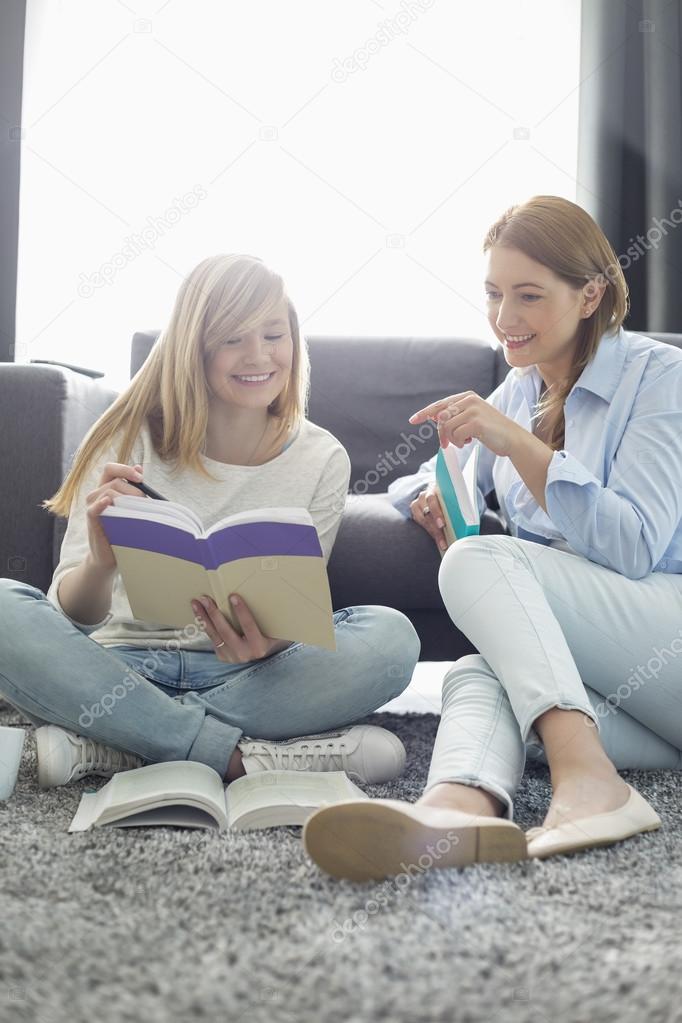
x=187, y=705
x=553, y=629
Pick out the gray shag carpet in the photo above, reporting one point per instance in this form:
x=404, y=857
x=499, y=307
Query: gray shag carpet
x=163, y=924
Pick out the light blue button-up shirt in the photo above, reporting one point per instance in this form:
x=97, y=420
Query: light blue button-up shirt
x=614, y=493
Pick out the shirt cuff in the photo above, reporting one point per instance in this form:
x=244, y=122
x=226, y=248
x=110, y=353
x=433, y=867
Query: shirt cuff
x=565, y=466
x=565, y=469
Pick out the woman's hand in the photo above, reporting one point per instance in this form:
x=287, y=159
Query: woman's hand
x=112, y=482
x=229, y=645
x=427, y=513
x=466, y=415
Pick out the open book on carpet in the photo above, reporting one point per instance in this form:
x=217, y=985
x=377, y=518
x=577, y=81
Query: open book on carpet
x=187, y=794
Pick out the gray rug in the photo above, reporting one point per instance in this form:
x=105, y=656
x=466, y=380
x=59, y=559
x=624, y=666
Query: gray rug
x=177, y=925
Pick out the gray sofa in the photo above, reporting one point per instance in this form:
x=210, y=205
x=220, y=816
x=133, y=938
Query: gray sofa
x=362, y=390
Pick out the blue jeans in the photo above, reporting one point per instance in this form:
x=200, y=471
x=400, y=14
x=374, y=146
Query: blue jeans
x=553, y=629
x=187, y=705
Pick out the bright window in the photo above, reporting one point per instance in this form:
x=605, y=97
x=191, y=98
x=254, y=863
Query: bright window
x=361, y=148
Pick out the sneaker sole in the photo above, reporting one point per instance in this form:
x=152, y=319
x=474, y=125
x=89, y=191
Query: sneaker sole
x=44, y=752
x=369, y=841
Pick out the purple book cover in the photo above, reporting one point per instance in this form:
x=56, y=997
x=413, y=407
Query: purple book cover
x=246, y=540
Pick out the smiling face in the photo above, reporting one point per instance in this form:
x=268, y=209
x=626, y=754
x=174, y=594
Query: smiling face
x=534, y=314
x=250, y=370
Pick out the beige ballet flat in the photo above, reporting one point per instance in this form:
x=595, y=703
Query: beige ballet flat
x=600, y=829
x=371, y=839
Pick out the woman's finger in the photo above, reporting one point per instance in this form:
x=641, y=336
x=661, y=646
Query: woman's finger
x=437, y=520
x=426, y=514
x=435, y=510
x=218, y=629
x=252, y=634
x=432, y=410
x=118, y=485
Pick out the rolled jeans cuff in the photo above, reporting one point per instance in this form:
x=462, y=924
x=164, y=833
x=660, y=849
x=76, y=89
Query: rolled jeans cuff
x=480, y=783
x=215, y=744
x=528, y=732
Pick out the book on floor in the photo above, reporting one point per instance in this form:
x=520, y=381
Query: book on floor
x=271, y=557
x=187, y=794
x=457, y=492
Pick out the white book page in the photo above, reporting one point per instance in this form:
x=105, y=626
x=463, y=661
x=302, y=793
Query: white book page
x=149, y=786
x=469, y=478
x=169, y=512
x=263, y=793
x=297, y=515
x=464, y=482
x=173, y=815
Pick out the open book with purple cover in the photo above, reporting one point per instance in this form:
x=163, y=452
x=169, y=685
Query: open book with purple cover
x=271, y=557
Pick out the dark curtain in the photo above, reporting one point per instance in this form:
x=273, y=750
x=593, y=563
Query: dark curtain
x=12, y=21
x=630, y=147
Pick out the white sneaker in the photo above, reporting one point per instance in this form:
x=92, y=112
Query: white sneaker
x=64, y=756
x=365, y=752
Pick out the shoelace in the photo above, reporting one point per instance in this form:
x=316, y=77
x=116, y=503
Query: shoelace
x=96, y=756
x=281, y=756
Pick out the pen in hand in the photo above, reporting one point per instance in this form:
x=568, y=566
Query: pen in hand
x=147, y=490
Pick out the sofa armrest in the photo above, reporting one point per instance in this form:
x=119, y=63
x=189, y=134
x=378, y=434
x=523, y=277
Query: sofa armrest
x=45, y=411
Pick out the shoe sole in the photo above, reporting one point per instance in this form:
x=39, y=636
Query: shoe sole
x=369, y=841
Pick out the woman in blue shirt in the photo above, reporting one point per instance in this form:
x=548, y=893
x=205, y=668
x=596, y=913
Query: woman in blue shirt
x=577, y=616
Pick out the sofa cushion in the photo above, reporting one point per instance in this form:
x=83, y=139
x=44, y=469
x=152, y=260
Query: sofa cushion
x=381, y=558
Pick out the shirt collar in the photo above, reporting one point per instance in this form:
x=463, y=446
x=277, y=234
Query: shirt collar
x=601, y=375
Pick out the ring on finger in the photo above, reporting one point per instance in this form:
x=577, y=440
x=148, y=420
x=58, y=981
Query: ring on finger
x=426, y=510
x=218, y=645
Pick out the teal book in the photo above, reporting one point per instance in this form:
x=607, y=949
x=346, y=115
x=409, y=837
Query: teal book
x=457, y=493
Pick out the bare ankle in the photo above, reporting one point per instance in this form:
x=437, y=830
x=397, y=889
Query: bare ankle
x=572, y=744
x=235, y=768
x=469, y=798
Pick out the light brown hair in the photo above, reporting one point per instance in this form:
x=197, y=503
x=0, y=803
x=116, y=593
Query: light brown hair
x=564, y=238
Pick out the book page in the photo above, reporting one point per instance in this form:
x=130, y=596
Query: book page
x=147, y=509
x=300, y=515
x=265, y=792
x=469, y=478
x=167, y=782
x=461, y=481
x=172, y=816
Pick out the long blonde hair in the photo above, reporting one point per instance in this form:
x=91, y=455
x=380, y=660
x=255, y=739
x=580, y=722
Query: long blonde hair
x=223, y=297
x=564, y=238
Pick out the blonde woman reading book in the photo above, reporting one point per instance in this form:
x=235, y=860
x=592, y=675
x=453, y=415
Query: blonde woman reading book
x=214, y=420
x=577, y=615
